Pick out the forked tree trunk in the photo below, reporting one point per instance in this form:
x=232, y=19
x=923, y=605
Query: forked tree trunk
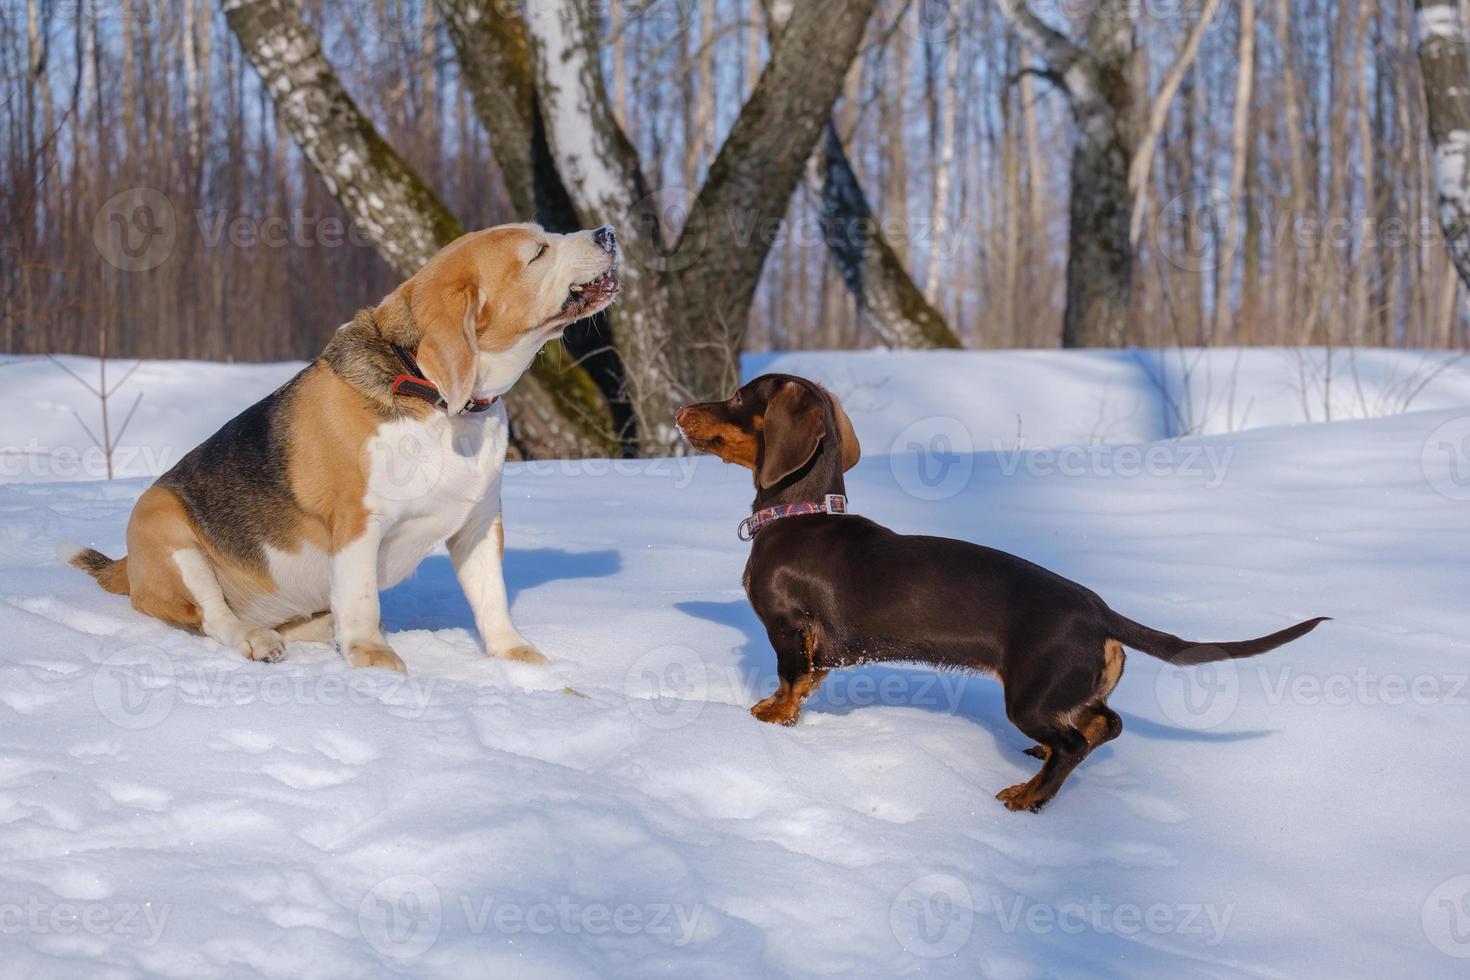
x=1445, y=67
x=687, y=305
x=555, y=410
x=1095, y=77
x=725, y=242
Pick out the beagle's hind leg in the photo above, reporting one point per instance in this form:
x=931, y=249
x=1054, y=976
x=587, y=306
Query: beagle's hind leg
x=312, y=629
x=219, y=621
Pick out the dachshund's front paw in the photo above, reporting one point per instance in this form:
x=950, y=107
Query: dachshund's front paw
x=778, y=710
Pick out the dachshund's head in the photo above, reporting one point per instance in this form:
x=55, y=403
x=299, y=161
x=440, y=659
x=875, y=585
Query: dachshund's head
x=774, y=426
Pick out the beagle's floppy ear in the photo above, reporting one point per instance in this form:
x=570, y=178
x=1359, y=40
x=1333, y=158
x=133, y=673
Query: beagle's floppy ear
x=446, y=315
x=852, y=451
x=792, y=430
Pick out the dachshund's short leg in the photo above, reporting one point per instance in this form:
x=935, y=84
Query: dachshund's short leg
x=799, y=679
x=1042, y=712
x=1065, y=748
x=1098, y=724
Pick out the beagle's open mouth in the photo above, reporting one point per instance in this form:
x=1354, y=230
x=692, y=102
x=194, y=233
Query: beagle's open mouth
x=591, y=296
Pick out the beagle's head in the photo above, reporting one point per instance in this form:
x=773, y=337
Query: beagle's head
x=774, y=426
x=488, y=301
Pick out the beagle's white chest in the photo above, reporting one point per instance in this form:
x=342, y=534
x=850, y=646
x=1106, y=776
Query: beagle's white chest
x=425, y=480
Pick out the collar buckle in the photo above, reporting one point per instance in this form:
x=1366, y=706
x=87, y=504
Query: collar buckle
x=832, y=503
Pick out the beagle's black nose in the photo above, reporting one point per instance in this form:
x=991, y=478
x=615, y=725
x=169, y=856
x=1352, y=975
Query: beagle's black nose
x=606, y=238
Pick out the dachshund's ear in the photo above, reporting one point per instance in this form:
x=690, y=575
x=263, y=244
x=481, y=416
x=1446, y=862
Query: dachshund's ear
x=792, y=430
x=448, y=353
x=852, y=451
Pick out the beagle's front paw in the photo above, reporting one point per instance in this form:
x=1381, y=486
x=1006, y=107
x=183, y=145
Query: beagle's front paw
x=264, y=645
x=522, y=652
x=365, y=653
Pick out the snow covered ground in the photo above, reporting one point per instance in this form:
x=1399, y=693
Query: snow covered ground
x=169, y=809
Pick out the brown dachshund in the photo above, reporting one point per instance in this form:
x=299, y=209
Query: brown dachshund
x=836, y=590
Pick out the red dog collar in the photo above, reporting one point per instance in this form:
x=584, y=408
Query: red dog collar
x=832, y=503
x=415, y=385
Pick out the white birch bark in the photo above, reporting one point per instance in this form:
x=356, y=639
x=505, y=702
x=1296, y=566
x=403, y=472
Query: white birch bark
x=554, y=411
x=1445, y=67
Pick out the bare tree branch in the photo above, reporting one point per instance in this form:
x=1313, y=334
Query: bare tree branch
x=1158, y=114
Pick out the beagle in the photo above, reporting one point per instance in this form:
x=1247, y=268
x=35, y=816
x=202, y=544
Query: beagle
x=286, y=523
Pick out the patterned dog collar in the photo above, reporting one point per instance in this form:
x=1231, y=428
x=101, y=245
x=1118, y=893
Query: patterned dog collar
x=832, y=503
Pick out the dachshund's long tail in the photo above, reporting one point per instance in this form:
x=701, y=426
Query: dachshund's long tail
x=1184, y=653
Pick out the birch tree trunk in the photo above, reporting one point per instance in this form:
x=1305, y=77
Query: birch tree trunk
x=556, y=409
x=1445, y=67
x=1095, y=78
x=494, y=56
x=604, y=182
x=940, y=226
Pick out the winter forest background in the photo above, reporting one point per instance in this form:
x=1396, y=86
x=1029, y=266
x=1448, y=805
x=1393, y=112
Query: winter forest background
x=915, y=173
